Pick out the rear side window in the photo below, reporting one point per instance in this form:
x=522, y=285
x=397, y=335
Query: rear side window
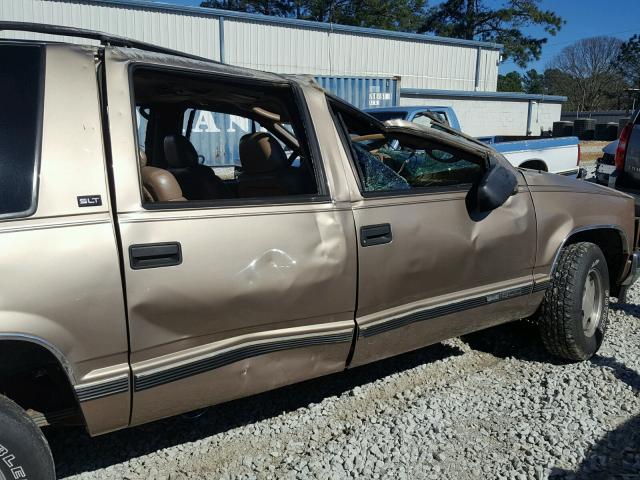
x=21, y=89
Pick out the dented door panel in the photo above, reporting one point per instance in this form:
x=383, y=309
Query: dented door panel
x=446, y=272
x=259, y=289
x=261, y=295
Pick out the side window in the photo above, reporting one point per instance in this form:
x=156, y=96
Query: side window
x=443, y=117
x=213, y=139
x=431, y=167
x=21, y=99
x=404, y=163
x=216, y=136
x=421, y=119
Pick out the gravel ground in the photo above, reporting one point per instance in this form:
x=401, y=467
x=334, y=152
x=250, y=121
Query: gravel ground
x=591, y=150
x=488, y=405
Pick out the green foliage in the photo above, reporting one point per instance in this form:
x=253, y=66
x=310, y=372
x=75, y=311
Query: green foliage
x=533, y=82
x=629, y=61
x=474, y=20
x=530, y=82
x=265, y=7
x=557, y=82
x=511, y=82
x=402, y=15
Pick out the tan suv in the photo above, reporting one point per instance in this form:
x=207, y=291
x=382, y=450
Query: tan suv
x=139, y=282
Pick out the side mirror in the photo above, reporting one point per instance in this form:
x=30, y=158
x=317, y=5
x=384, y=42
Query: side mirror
x=495, y=187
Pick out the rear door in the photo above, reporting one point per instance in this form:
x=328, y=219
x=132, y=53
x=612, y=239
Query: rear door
x=227, y=297
x=430, y=267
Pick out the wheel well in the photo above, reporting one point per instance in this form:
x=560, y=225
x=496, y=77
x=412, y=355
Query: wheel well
x=32, y=376
x=535, y=165
x=610, y=242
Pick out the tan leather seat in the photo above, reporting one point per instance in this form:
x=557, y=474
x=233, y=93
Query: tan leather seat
x=265, y=168
x=158, y=185
x=198, y=182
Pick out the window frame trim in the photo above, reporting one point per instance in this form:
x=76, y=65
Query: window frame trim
x=39, y=124
x=322, y=196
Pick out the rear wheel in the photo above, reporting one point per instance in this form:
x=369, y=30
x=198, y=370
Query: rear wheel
x=573, y=314
x=24, y=452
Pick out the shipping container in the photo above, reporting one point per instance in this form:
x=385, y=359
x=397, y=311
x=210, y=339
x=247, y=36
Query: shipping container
x=216, y=136
x=363, y=92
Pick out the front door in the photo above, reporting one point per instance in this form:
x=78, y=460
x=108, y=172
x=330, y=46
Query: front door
x=241, y=292
x=430, y=267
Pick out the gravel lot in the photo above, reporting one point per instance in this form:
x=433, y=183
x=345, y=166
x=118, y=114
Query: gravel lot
x=488, y=405
x=591, y=150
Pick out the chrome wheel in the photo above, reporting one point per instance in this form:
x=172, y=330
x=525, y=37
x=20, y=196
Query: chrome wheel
x=592, y=296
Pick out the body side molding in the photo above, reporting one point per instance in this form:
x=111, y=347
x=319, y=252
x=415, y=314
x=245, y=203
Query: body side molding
x=104, y=388
x=160, y=376
x=445, y=309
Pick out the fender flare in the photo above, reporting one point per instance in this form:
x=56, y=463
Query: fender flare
x=24, y=337
x=616, y=228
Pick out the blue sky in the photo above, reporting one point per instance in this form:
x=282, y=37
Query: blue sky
x=585, y=18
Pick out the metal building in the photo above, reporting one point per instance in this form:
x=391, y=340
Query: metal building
x=492, y=113
x=276, y=44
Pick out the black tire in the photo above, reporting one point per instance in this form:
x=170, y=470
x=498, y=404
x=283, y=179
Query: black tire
x=564, y=331
x=24, y=452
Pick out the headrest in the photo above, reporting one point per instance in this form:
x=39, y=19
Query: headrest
x=142, y=158
x=261, y=153
x=179, y=152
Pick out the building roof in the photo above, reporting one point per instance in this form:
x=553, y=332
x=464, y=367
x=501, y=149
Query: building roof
x=421, y=93
x=311, y=25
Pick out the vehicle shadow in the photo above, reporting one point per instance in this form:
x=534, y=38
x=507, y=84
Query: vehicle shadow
x=617, y=454
x=75, y=452
x=519, y=340
x=628, y=308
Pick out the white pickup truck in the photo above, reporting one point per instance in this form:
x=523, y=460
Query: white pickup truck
x=556, y=155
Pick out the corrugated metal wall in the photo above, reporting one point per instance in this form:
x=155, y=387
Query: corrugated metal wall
x=274, y=44
x=488, y=71
x=276, y=48
x=198, y=35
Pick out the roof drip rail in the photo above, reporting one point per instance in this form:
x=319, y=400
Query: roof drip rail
x=105, y=39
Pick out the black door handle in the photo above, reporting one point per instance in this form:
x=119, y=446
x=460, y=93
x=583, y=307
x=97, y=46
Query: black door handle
x=375, y=234
x=153, y=255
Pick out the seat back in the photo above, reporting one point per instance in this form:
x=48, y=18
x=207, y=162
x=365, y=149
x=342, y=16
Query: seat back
x=198, y=182
x=265, y=169
x=158, y=185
